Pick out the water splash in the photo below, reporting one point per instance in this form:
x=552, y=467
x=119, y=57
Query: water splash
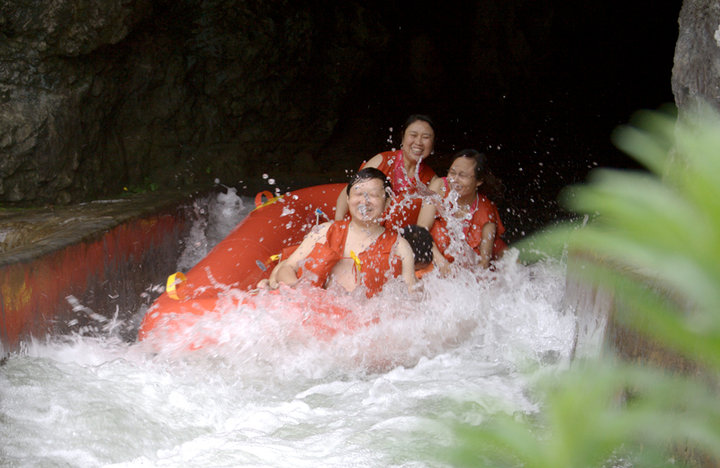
x=272, y=393
x=213, y=217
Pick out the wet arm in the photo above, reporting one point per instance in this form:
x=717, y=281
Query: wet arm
x=426, y=217
x=341, y=206
x=286, y=275
x=287, y=269
x=486, y=244
x=404, y=251
x=439, y=260
x=428, y=211
x=272, y=282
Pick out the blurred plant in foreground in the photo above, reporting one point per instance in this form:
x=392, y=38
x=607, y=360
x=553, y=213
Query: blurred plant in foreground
x=654, y=240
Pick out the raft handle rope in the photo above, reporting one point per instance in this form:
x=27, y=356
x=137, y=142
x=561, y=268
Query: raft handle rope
x=318, y=213
x=357, y=261
x=269, y=199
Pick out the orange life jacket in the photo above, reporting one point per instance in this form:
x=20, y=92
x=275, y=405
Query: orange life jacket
x=406, y=206
x=484, y=212
x=377, y=263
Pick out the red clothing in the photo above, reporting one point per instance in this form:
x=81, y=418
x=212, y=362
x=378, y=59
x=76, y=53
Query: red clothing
x=424, y=271
x=406, y=207
x=392, y=166
x=483, y=211
x=377, y=264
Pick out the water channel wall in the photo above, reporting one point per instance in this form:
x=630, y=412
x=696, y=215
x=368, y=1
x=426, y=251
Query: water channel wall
x=111, y=263
x=79, y=280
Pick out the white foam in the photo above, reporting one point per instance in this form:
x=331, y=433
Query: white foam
x=270, y=393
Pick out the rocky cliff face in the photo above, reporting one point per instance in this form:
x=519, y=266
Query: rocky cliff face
x=100, y=95
x=696, y=70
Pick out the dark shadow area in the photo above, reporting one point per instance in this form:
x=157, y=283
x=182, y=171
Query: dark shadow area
x=175, y=95
x=539, y=86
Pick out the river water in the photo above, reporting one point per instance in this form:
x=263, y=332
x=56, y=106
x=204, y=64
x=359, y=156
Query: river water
x=269, y=394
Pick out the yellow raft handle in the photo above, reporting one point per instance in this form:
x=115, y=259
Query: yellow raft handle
x=269, y=199
x=172, y=282
x=271, y=259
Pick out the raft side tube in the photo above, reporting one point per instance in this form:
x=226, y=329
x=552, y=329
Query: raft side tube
x=244, y=257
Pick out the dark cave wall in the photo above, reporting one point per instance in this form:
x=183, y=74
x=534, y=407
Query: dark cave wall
x=48, y=90
x=98, y=96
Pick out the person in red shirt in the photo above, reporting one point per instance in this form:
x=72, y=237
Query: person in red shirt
x=406, y=170
x=354, y=252
x=464, y=212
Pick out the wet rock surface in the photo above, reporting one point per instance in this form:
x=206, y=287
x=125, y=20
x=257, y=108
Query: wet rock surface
x=97, y=96
x=86, y=265
x=30, y=233
x=697, y=60
x=48, y=79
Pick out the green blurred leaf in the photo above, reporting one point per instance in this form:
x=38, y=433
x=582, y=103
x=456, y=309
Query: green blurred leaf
x=653, y=239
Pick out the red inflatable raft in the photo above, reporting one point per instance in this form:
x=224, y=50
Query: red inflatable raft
x=243, y=258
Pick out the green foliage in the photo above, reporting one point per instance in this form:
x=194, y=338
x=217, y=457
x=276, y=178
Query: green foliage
x=147, y=186
x=599, y=414
x=653, y=238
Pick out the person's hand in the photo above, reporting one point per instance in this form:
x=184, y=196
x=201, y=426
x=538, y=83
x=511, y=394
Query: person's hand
x=440, y=261
x=442, y=265
x=267, y=284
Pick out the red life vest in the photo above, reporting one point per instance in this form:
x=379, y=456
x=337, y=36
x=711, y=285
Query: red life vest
x=406, y=206
x=377, y=263
x=484, y=212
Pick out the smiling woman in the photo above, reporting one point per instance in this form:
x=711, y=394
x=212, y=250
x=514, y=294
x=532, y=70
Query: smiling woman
x=465, y=213
x=405, y=170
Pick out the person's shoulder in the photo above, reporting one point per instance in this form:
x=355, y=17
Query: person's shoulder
x=321, y=229
x=375, y=161
x=328, y=224
x=427, y=172
x=486, y=211
x=487, y=203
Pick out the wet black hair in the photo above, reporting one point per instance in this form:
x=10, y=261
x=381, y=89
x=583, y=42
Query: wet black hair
x=421, y=243
x=367, y=174
x=479, y=158
x=422, y=117
x=491, y=187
